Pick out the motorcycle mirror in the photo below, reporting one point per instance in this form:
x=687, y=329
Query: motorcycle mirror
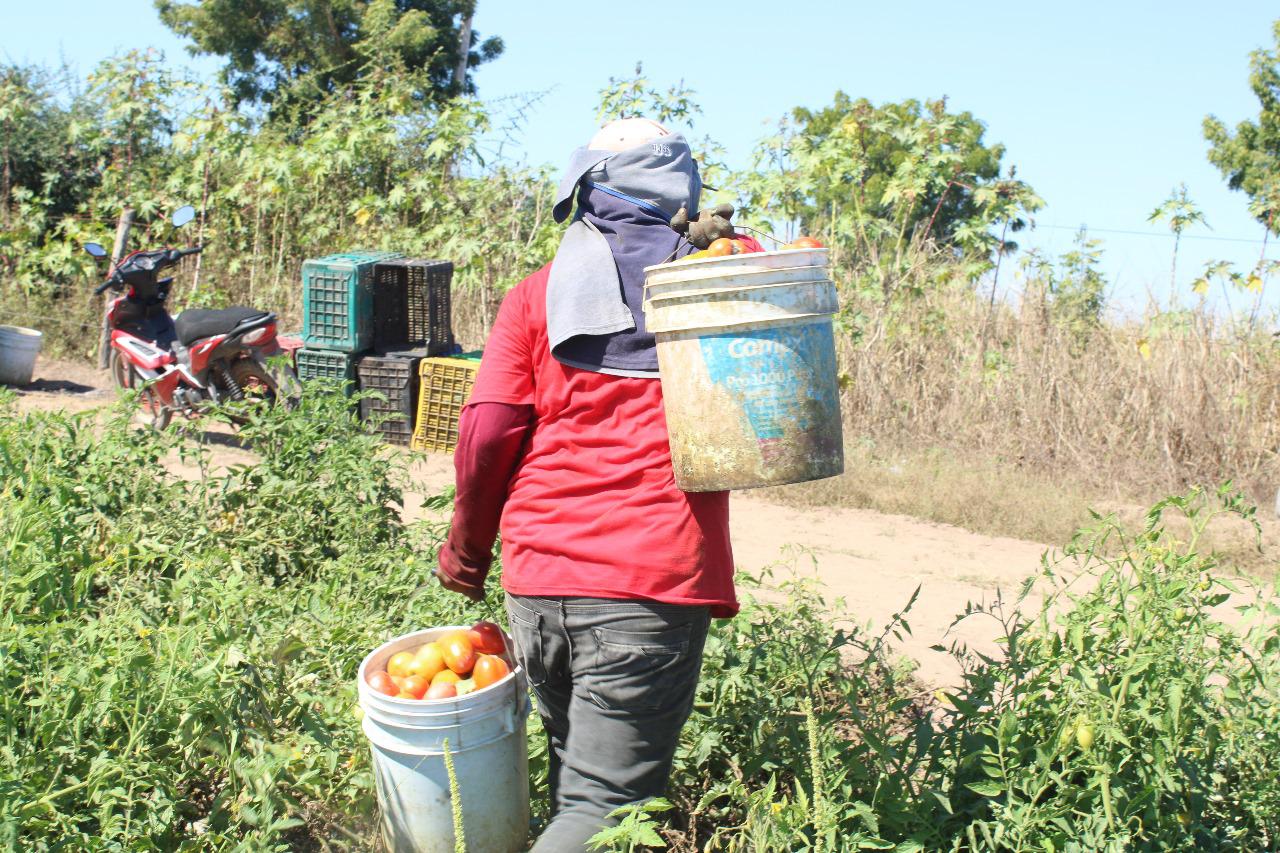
x=95, y=249
x=183, y=215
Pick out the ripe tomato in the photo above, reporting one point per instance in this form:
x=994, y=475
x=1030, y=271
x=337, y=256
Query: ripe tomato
x=399, y=664
x=427, y=661
x=804, y=243
x=415, y=686
x=442, y=691
x=445, y=676
x=486, y=638
x=459, y=656
x=719, y=248
x=489, y=669
x=382, y=683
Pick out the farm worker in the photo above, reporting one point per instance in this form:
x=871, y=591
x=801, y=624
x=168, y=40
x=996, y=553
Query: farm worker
x=611, y=573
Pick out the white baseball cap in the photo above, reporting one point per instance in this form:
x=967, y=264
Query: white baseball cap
x=624, y=133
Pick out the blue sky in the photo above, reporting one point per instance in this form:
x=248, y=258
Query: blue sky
x=1099, y=104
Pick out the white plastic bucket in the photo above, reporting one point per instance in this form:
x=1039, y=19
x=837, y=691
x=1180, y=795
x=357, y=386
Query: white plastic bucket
x=18, y=350
x=486, y=735
x=746, y=352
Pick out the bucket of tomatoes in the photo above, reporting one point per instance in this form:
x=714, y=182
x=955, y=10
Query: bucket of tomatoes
x=439, y=663
x=444, y=710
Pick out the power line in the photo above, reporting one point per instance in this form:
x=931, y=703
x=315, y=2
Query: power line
x=1150, y=234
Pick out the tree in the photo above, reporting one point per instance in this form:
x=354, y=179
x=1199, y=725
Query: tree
x=294, y=52
x=1181, y=213
x=1250, y=158
x=935, y=158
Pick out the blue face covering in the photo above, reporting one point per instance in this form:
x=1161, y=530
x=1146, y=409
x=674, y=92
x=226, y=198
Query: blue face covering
x=594, y=293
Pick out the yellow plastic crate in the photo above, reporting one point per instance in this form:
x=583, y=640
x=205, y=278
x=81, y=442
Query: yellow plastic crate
x=444, y=385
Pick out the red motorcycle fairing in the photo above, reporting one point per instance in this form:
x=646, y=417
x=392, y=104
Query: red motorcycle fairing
x=201, y=350
x=158, y=369
x=113, y=308
x=166, y=383
x=140, y=352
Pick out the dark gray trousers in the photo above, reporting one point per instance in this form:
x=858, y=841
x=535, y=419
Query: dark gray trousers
x=615, y=682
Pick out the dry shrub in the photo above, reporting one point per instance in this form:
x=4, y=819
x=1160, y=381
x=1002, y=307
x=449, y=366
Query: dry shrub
x=1087, y=404
x=964, y=489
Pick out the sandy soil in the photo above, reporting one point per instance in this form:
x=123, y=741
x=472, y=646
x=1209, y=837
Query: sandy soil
x=874, y=562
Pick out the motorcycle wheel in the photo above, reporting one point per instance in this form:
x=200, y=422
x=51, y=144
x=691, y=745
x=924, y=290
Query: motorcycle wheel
x=151, y=411
x=256, y=383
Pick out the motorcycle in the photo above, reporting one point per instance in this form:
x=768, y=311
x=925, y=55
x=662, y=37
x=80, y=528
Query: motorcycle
x=203, y=358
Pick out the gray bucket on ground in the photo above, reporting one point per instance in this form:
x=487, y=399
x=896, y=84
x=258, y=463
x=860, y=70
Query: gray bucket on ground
x=746, y=352
x=18, y=350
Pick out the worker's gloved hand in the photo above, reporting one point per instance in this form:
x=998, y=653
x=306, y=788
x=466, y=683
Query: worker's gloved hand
x=471, y=592
x=711, y=225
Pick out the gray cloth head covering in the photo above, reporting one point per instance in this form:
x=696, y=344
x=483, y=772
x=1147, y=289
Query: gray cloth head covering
x=585, y=293
x=660, y=172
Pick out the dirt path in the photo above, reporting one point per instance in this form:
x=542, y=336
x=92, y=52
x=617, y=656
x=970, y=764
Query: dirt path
x=872, y=561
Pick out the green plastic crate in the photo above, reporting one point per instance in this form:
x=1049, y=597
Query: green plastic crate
x=327, y=364
x=337, y=300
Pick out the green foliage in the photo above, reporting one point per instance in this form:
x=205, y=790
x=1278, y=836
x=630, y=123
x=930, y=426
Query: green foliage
x=1249, y=158
x=912, y=164
x=108, y=149
x=896, y=192
x=635, y=96
x=1180, y=212
x=1124, y=714
x=637, y=828
x=178, y=660
x=172, y=679
x=291, y=54
x=1071, y=293
x=34, y=157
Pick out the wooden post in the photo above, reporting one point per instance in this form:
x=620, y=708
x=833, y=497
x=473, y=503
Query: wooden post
x=118, y=249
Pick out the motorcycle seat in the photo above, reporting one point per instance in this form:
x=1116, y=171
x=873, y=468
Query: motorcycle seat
x=200, y=323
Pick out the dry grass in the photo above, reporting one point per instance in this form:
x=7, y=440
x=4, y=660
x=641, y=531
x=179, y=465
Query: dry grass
x=1200, y=403
x=1017, y=419
x=995, y=498
x=977, y=494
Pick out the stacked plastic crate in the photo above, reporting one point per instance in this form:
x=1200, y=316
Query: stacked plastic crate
x=337, y=314
x=377, y=321
x=411, y=322
x=445, y=384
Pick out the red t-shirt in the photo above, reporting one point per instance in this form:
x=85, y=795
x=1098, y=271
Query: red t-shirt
x=593, y=508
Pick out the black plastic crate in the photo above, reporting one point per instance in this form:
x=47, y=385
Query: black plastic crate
x=412, y=306
x=326, y=364
x=397, y=380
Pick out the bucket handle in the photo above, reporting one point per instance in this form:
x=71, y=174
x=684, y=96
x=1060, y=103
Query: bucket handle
x=736, y=225
x=758, y=231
